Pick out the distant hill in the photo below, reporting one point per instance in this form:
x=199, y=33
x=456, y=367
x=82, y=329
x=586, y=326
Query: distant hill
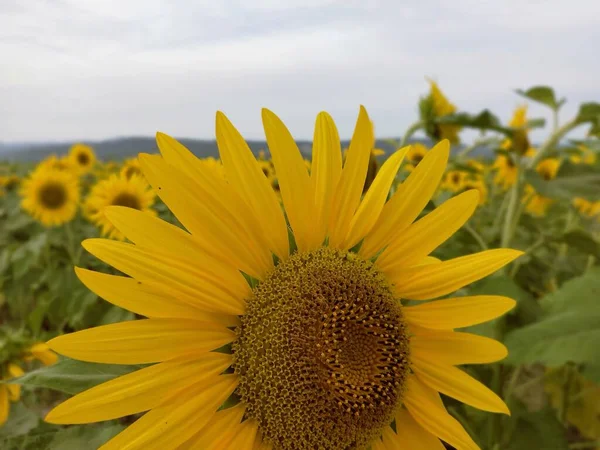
x=122, y=148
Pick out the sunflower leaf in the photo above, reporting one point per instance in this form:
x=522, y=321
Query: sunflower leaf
x=71, y=376
x=542, y=94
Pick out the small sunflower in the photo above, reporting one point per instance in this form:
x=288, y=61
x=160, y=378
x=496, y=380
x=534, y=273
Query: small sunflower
x=117, y=190
x=130, y=168
x=434, y=106
x=12, y=392
x=520, y=140
x=9, y=182
x=587, y=208
x=82, y=157
x=585, y=156
x=414, y=156
x=479, y=185
x=316, y=348
x=50, y=196
x=53, y=162
x=478, y=167
x=454, y=180
x=536, y=204
x=506, y=171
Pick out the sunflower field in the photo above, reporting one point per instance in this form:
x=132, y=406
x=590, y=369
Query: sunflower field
x=299, y=301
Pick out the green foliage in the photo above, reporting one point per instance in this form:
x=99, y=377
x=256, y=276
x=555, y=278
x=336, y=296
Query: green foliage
x=572, y=180
x=544, y=95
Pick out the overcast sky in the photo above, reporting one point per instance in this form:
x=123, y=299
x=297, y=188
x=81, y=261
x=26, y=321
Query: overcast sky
x=95, y=69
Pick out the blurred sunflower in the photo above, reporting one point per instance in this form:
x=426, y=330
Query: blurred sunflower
x=454, y=180
x=241, y=276
x=538, y=204
x=12, y=392
x=585, y=156
x=50, y=196
x=414, y=156
x=520, y=140
x=477, y=166
x=506, y=171
x=587, y=208
x=479, y=185
x=53, y=162
x=130, y=168
x=117, y=190
x=9, y=182
x=82, y=157
x=434, y=106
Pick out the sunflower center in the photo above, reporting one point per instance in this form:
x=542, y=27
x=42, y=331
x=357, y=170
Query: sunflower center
x=455, y=178
x=52, y=195
x=417, y=159
x=322, y=353
x=128, y=200
x=83, y=159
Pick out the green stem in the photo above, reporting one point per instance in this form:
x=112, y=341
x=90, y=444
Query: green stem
x=411, y=130
x=552, y=140
x=511, y=211
x=468, y=228
x=584, y=445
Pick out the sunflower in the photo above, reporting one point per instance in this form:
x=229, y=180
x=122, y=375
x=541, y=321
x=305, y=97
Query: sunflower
x=520, y=140
x=454, y=180
x=506, y=171
x=479, y=185
x=477, y=166
x=50, y=196
x=538, y=204
x=82, y=157
x=587, y=208
x=414, y=156
x=117, y=190
x=315, y=347
x=9, y=182
x=53, y=162
x=434, y=106
x=584, y=156
x=131, y=167
x=12, y=392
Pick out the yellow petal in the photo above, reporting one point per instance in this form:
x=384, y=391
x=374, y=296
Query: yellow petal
x=4, y=404
x=14, y=390
x=142, y=341
x=215, y=289
x=245, y=174
x=326, y=169
x=370, y=208
x=435, y=280
x=138, y=391
x=410, y=435
x=425, y=235
x=408, y=201
x=179, y=156
x=456, y=384
x=350, y=187
x=42, y=352
x=245, y=436
x=426, y=407
x=146, y=298
x=294, y=182
x=219, y=431
x=450, y=347
x=201, y=208
x=458, y=312
x=173, y=423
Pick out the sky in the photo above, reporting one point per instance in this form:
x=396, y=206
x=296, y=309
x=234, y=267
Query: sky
x=98, y=69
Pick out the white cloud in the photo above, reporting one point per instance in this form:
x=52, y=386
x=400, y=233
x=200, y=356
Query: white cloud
x=103, y=68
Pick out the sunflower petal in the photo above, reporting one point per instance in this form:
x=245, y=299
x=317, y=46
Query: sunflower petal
x=138, y=391
x=426, y=407
x=42, y=353
x=294, y=181
x=455, y=383
x=425, y=235
x=435, y=280
x=245, y=436
x=408, y=201
x=326, y=169
x=450, y=347
x=214, y=289
x=370, y=208
x=146, y=299
x=14, y=390
x=142, y=341
x=244, y=173
x=458, y=312
x=410, y=435
x=174, y=422
x=219, y=431
x=214, y=224
x=4, y=404
x=350, y=187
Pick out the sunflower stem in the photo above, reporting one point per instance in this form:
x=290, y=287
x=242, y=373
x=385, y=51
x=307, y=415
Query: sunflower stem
x=552, y=140
x=410, y=131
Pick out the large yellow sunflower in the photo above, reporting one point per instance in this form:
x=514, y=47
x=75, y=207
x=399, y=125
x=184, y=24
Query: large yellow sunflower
x=82, y=157
x=117, y=190
x=50, y=196
x=316, y=346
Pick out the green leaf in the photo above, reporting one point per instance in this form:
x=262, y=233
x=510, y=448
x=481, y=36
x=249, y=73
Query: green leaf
x=542, y=94
x=572, y=180
x=582, y=241
x=20, y=421
x=569, y=330
x=588, y=112
x=72, y=376
x=485, y=120
x=76, y=438
x=536, y=430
